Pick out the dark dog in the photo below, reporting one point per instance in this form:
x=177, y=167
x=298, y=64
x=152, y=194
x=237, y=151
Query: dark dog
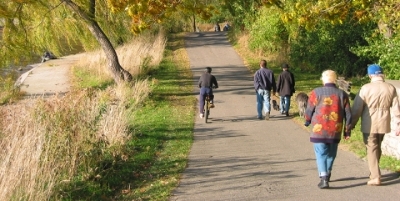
x=301, y=100
x=275, y=105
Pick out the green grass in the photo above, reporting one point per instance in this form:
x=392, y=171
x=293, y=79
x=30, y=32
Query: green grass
x=150, y=164
x=164, y=127
x=164, y=130
x=84, y=79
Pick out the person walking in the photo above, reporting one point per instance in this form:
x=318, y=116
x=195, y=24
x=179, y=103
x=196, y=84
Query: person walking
x=285, y=89
x=264, y=82
x=372, y=104
x=206, y=84
x=328, y=108
x=217, y=28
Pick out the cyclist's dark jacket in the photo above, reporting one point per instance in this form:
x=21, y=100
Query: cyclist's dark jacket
x=207, y=80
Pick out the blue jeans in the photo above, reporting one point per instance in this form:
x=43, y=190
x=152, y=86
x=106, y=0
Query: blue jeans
x=325, y=154
x=263, y=99
x=203, y=92
x=284, y=104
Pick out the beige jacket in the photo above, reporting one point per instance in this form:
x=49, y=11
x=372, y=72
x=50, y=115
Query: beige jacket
x=373, y=103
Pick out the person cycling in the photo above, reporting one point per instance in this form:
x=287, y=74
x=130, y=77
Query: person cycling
x=206, y=83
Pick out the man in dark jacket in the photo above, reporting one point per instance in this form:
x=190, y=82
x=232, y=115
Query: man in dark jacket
x=285, y=89
x=264, y=82
x=206, y=83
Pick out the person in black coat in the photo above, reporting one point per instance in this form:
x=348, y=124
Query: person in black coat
x=285, y=89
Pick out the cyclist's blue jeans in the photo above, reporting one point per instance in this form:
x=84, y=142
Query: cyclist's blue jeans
x=203, y=92
x=325, y=153
x=263, y=99
x=284, y=104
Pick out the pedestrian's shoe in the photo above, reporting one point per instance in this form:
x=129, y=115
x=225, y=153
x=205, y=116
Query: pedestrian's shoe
x=282, y=112
x=374, y=182
x=267, y=116
x=201, y=115
x=323, y=184
x=212, y=105
x=260, y=118
x=287, y=114
x=329, y=177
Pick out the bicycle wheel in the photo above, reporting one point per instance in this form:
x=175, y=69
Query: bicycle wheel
x=206, y=110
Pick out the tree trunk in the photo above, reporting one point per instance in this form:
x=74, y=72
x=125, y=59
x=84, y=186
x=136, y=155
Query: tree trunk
x=194, y=23
x=119, y=74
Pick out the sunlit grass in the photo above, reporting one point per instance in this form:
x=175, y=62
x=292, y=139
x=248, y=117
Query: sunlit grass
x=139, y=56
x=165, y=127
x=9, y=93
x=77, y=147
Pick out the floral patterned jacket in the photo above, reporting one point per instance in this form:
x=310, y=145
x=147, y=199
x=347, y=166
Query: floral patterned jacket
x=328, y=108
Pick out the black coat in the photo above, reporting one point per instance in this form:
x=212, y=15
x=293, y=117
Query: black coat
x=285, y=84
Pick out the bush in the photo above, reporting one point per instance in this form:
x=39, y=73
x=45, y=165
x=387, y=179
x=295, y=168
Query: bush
x=267, y=32
x=384, y=52
x=328, y=47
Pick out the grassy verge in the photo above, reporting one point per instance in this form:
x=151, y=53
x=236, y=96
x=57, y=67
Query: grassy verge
x=148, y=165
x=103, y=141
x=305, y=82
x=164, y=127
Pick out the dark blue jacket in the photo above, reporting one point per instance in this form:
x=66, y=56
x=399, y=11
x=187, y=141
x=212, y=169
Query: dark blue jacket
x=264, y=79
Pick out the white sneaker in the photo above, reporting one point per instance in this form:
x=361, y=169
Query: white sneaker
x=201, y=115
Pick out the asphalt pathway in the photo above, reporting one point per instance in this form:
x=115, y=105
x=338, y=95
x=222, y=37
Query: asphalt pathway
x=238, y=157
x=48, y=78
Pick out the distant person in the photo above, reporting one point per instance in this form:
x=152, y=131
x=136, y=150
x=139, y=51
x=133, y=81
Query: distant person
x=47, y=55
x=264, y=82
x=285, y=89
x=226, y=27
x=217, y=28
x=372, y=104
x=328, y=111
x=206, y=83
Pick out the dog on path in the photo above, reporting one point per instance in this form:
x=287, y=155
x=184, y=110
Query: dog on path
x=301, y=100
x=275, y=105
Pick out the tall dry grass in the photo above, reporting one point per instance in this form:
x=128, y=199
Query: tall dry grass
x=45, y=141
x=137, y=56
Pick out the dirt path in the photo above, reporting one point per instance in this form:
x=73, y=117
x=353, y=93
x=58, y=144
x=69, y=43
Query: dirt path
x=238, y=157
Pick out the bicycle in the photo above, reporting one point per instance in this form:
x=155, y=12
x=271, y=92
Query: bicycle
x=207, y=107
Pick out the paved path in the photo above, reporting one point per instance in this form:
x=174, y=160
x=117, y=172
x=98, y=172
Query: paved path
x=48, y=78
x=238, y=157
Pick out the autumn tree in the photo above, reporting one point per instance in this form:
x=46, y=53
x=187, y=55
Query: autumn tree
x=194, y=8
x=383, y=44
x=25, y=21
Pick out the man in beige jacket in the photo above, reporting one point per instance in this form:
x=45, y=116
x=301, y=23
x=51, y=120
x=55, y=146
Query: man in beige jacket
x=372, y=104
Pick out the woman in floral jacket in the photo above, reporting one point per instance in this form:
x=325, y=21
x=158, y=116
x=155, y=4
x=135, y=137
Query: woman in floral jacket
x=328, y=108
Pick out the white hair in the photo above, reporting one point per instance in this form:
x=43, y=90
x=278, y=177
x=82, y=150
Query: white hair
x=329, y=76
x=377, y=75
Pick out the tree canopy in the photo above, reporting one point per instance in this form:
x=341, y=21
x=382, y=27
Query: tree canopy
x=34, y=26
x=346, y=35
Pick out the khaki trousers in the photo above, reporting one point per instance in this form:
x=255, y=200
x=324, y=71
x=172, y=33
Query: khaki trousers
x=373, y=143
